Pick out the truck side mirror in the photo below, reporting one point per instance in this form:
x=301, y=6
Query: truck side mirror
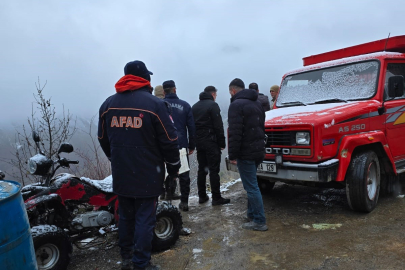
x=65, y=148
x=396, y=86
x=35, y=136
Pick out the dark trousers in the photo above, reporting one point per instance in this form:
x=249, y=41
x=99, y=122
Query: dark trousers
x=135, y=228
x=184, y=180
x=209, y=160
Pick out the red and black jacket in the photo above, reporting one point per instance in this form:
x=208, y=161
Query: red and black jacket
x=136, y=132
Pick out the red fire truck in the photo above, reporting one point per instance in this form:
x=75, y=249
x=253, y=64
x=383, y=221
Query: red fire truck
x=340, y=120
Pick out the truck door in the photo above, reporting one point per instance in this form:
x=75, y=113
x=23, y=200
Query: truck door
x=395, y=115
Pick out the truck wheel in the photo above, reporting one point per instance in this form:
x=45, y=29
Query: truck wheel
x=363, y=182
x=168, y=225
x=265, y=185
x=53, y=248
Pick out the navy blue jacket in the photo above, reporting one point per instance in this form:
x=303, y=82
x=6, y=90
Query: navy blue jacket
x=135, y=131
x=183, y=121
x=246, y=127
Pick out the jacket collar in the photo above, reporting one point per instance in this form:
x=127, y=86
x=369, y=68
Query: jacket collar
x=245, y=94
x=171, y=96
x=205, y=95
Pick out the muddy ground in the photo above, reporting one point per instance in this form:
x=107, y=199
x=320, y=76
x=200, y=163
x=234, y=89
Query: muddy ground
x=353, y=241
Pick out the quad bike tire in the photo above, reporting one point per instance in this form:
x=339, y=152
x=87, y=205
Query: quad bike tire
x=168, y=225
x=265, y=185
x=53, y=247
x=363, y=182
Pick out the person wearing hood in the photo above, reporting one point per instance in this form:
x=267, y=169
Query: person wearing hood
x=246, y=147
x=210, y=140
x=264, y=100
x=159, y=92
x=184, y=123
x=273, y=93
x=138, y=136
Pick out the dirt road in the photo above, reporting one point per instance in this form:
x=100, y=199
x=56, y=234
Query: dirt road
x=297, y=239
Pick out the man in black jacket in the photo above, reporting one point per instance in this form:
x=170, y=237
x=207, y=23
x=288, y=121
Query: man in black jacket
x=262, y=98
x=137, y=134
x=246, y=147
x=184, y=123
x=210, y=140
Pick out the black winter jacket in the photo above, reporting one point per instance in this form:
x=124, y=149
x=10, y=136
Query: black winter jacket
x=135, y=131
x=183, y=121
x=246, y=127
x=208, y=121
x=264, y=100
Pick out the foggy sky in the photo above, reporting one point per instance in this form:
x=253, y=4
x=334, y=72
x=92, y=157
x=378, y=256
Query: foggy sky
x=81, y=47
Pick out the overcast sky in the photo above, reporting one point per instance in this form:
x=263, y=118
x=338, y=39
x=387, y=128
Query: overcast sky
x=80, y=47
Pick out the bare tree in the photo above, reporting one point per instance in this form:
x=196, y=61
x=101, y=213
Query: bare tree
x=95, y=163
x=52, y=128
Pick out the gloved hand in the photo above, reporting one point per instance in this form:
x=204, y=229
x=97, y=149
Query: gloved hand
x=173, y=170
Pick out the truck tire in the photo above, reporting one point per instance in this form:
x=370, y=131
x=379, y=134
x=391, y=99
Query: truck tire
x=363, y=182
x=53, y=248
x=168, y=225
x=265, y=185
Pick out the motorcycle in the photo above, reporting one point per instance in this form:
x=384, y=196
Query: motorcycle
x=65, y=210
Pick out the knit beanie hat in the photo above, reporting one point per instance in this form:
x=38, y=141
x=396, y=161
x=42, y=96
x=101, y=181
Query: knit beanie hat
x=275, y=88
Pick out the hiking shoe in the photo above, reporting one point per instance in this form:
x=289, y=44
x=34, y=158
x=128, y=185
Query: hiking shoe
x=203, y=199
x=253, y=226
x=148, y=267
x=220, y=201
x=126, y=264
x=183, y=206
x=173, y=197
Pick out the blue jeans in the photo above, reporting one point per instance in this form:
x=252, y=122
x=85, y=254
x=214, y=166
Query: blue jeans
x=247, y=170
x=135, y=228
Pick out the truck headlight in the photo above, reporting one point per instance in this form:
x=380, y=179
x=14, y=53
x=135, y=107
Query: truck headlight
x=302, y=138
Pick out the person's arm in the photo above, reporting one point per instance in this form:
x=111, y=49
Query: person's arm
x=167, y=139
x=191, y=131
x=235, y=131
x=218, y=125
x=266, y=104
x=102, y=133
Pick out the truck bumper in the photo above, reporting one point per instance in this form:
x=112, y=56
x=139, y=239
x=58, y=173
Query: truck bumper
x=322, y=172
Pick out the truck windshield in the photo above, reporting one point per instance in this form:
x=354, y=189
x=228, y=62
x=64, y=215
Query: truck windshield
x=334, y=84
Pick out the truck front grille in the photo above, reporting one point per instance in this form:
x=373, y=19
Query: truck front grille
x=280, y=138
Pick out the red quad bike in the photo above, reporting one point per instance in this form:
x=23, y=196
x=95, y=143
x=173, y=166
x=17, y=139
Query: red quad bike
x=67, y=210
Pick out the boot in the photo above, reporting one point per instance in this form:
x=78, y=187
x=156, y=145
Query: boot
x=203, y=199
x=253, y=226
x=220, y=201
x=183, y=206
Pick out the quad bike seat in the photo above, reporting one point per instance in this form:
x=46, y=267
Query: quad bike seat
x=104, y=185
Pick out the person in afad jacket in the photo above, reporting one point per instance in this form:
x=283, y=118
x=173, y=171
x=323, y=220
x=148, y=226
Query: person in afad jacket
x=264, y=100
x=247, y=148
x=184, y=123
x=136, y=133
x=210, y=140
